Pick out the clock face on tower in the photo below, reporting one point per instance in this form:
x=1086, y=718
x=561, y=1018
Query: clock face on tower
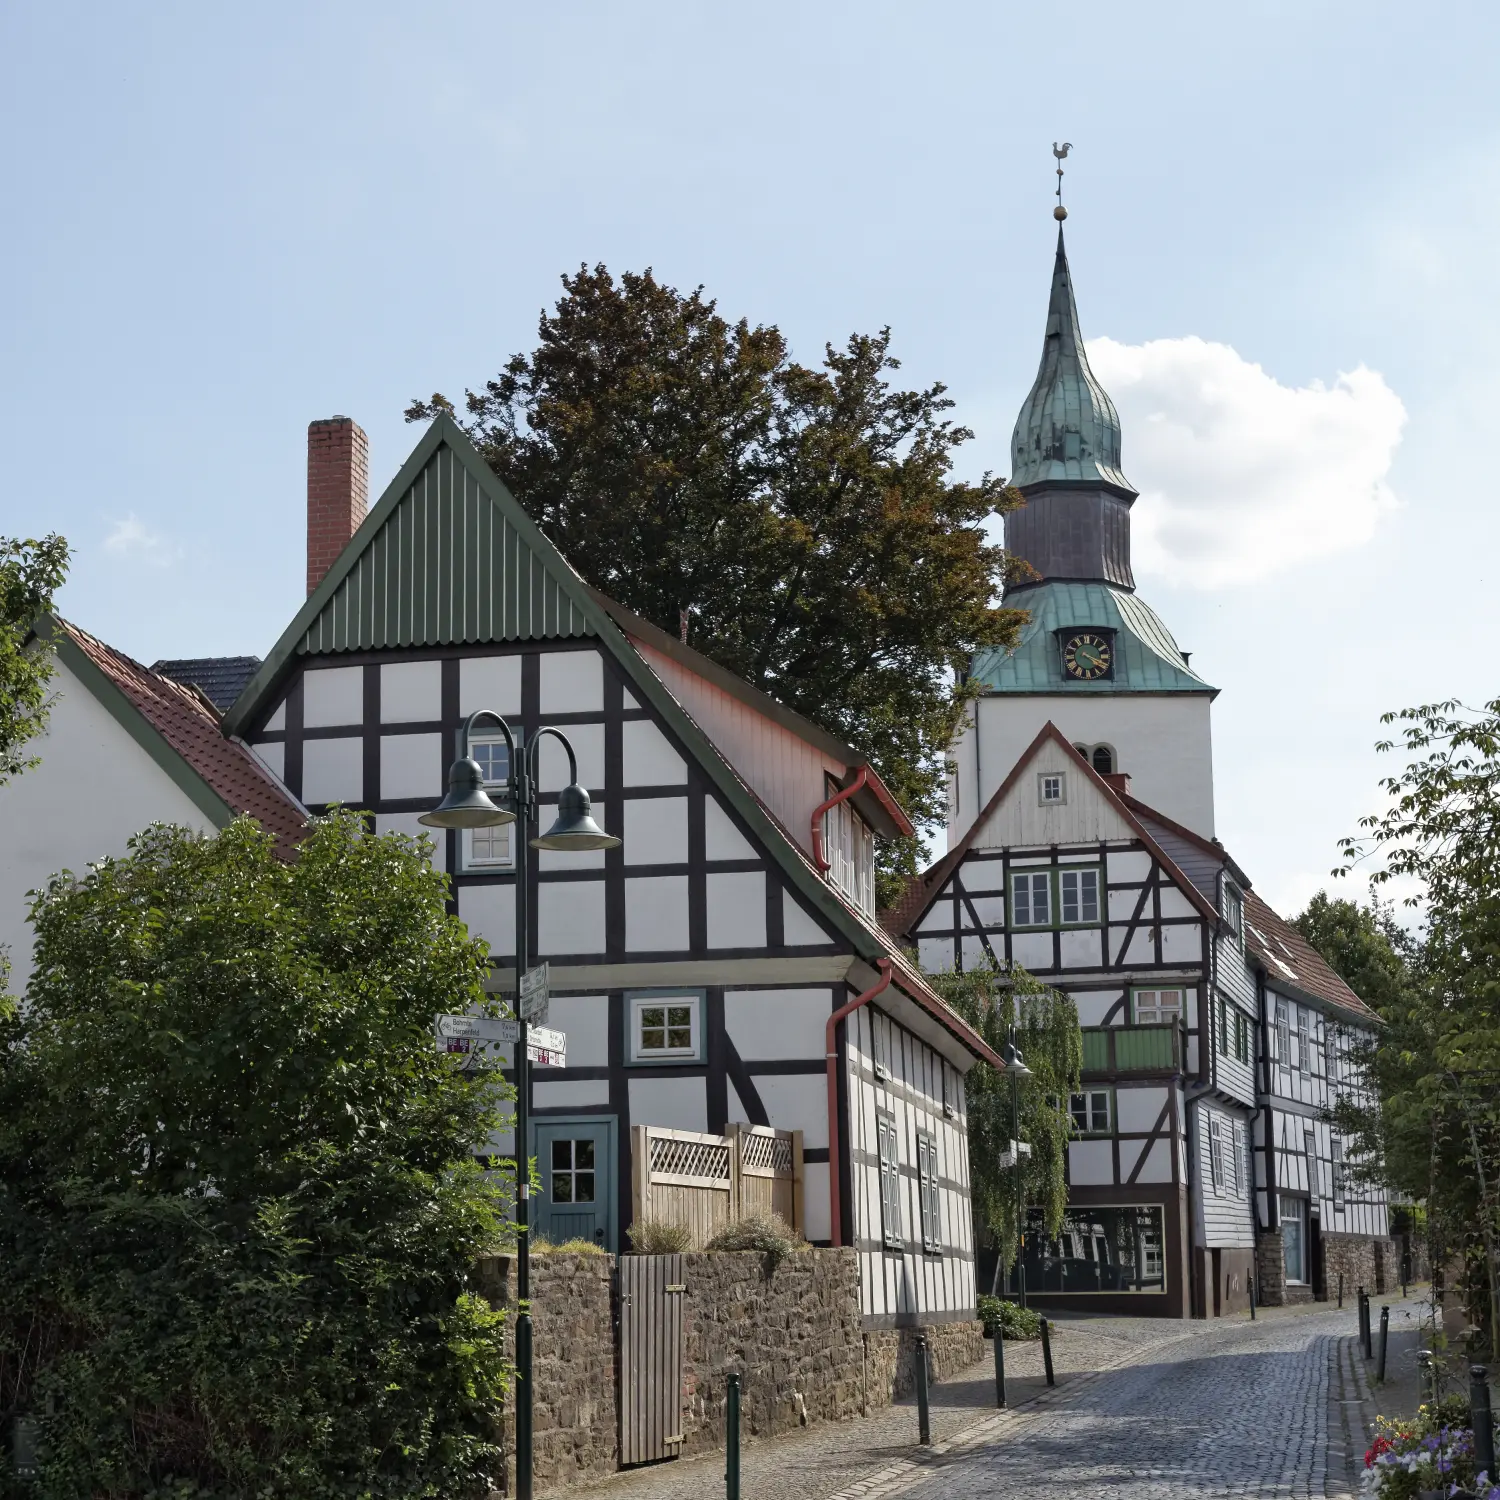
x=1087, y=657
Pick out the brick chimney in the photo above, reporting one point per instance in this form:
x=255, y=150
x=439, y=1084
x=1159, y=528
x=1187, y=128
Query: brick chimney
x=338, y=490
x=1120, y=782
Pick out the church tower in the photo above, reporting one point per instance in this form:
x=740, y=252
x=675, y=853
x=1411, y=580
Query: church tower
x=1094, y=658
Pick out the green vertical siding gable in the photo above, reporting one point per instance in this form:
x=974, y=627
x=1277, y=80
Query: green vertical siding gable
x=446, y=567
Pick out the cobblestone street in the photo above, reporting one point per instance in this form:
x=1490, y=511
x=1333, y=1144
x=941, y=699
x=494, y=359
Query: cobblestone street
x=1143, y=1411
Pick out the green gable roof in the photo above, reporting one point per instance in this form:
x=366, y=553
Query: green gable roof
x=1146, y=657
x=446, y=557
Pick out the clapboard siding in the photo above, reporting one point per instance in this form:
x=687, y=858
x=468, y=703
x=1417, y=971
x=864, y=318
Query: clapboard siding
x=1224, y=1213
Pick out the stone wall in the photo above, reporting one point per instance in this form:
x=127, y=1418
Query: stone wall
x=1270, y=1271
x=575, y=1429
x=792, y=1332
x=1374, y=1264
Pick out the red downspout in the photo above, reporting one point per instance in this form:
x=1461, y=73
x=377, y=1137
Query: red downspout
x=822, y=807
x=835, y=1208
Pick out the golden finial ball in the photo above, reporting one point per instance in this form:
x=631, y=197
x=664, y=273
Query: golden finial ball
x=1059, y=213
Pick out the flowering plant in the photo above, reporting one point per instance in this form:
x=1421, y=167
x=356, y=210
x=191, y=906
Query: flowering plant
x=1412, y=1457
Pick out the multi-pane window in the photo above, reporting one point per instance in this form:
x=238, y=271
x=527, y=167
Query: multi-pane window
x=1031, y=898
x=927, y=1183
x=1223, y=1027
x=1241, y=1036
x=665, y=1028
x=1079, y=892
x=1217, y=1163
x=1310, y=1151
x=1233, y=906
x=888, y=1151
x=1338, y=1177
x=1052, y=788
x=1283, y=1034
x=1158, y=1007
x=489, y=848
x=572, y=1171
x=1242, y=1155
x=850, y=851
x=1304, y=1043
x=1331, y=1052
x=1090, y=1112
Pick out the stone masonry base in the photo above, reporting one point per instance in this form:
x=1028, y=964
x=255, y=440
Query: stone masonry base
x=793, y=1333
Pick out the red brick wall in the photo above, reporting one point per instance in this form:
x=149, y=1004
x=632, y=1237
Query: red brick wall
x=338, y=490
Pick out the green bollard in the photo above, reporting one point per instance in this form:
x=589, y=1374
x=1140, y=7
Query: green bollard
x=732, y=1440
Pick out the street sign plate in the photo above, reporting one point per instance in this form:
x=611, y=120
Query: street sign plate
x=547, y=1057
x=485, y=1028
x=547, y=1038
x=534, y=993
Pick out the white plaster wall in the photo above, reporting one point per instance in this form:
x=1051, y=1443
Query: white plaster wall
x=333, y=696
x=569, y=917
x=721, y=839
x=656, y=914
x=798, y=928
x=333, y=770
x=736, y=903
x=1164, y=742
x=411, y=765
x=492, y=682
x=411, y=691
x=649, y=759
x=655, y=831
x=673, y=1103
x=775, y=1024
x=42, y=827
x=585, y=1019
x=572, y=682
x=587, y=741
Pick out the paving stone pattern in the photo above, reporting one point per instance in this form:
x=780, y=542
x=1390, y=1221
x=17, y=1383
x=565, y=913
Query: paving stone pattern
x=1144, y=1410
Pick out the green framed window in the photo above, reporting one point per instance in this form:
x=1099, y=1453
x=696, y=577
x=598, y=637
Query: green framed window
x=1067, y=896
x=666, y=1027
x=1223, y=1027
x=1031, y=898
x=1241, y=1036
x=1157, y=1007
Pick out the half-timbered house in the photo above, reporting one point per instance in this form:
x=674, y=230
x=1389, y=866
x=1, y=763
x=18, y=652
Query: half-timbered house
x=696, y=968
x=1081, y=847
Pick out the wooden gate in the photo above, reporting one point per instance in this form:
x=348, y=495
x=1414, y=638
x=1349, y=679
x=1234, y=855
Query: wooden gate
x=651, y=1288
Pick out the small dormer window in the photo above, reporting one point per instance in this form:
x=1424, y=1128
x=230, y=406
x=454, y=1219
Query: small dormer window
x=1052, y=788
x=1232, y=907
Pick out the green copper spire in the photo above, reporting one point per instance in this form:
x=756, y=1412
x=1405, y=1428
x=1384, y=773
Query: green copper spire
x=1068, y=431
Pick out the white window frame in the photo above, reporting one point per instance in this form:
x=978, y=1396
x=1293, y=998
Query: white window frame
x=1310, y=1155
x=1304, y=1040
x=849, y=848
x=1338, y=1176
x=1233, y=902
x=500, y=838
x=1157, y=1009
x=1216, y=1163
x=639, y=1053
x=1086, y=1103
x=1241, y=1159
x=1082, y=876
x=888, y=1153
x=928, y=1191
x=1283, y=1033
x=1037, y=880
x=1051, y=788
x=1294, y=1210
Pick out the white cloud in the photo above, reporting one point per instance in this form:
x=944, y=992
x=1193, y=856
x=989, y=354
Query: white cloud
x=1241, y=476
x=132, y=538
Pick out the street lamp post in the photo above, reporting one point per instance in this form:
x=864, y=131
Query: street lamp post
x=1015, y=1065
x=467, y=805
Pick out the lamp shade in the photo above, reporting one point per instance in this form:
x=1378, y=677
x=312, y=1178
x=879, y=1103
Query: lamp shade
x=467, y=804
x=1014, y=1063
x=574, y=826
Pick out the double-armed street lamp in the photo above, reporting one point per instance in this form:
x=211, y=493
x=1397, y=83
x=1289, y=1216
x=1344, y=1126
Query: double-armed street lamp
x=467, y=805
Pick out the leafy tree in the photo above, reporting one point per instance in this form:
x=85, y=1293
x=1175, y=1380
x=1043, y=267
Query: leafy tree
x=238, y=1195
x=806, y=519
x=1046, y=1031
x=1436, y=1127
x=1364, y=945
x=31, y=572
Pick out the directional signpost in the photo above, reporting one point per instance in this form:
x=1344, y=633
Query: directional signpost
x=474, y=1035
x=547, y=1047
x=534, y=994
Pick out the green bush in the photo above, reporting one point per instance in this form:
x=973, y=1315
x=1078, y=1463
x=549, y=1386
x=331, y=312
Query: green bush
x=658, y=1237
x=239, y=1196
x=1016, y=1321
x=769, y=1233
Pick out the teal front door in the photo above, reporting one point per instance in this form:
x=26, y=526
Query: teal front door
x=576, y=1160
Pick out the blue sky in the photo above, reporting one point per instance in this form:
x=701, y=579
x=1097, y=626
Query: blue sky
x=223, y=223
